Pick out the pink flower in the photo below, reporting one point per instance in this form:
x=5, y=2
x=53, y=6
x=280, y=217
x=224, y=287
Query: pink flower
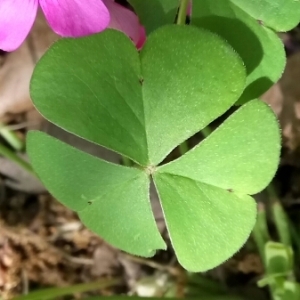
x=142, y=39
x=68, y=18
x=127, y=21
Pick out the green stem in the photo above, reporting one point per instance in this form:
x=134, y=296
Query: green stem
x=6, y=152
x=280, y=217
x=206, y=131
x=13, y=140
x=295, y=236
x=126, y=161
x=282, y=223
x=261, y=236
x=260, y=231
x=54, y=293
x=183, y=148
x=181, y=18
x=198, y=283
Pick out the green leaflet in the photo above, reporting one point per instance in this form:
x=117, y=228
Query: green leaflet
x=206, y=224
x=259, y=47
x=102, y=193
x=280, y=15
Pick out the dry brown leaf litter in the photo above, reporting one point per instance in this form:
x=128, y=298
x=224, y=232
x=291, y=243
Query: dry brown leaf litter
x=53, y=249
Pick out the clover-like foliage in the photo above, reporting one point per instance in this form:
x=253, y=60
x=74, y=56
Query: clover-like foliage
x=248, y=26
x=282, y=15
x=143, y=105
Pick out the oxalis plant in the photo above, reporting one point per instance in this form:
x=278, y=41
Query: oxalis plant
x=143, y=104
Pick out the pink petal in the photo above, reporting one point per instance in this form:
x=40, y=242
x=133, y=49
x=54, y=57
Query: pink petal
x=74, y=18
x=16, y=20
x=189, y=8
x=124, y=20
x=142, y=39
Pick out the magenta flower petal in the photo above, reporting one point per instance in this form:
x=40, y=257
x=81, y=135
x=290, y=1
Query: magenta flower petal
x=74, y=18
x=142, y=39
x=189, y=9
x=124, y=20
x=16, y=20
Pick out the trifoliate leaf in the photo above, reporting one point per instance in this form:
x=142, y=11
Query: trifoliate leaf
x=142, y=106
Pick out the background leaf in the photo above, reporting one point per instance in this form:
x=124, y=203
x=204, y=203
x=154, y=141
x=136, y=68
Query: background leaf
x=112, y=200
x=244, y=33
x=281, y=15
x=155, y=13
